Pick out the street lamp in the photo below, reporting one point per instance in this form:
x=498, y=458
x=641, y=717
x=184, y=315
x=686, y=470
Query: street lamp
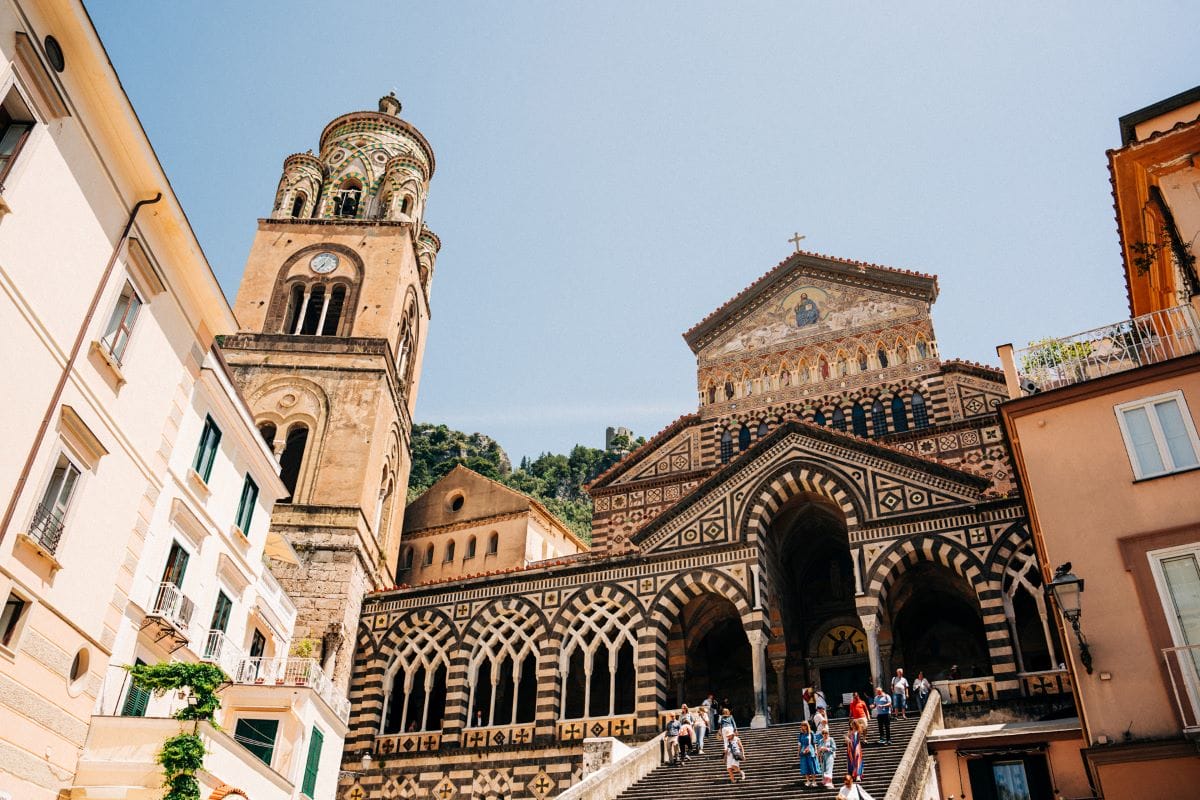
x=1066, y=588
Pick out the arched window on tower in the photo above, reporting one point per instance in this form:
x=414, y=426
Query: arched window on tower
x=878, y=418
x=493, y=543
x=839, y=419
x=449, y=552
x=726, y=447
x=291, y=323
x=298, y=204
x=312, y=311
x=267, y=431
x=333, y=311
x=899, y=414
x=743, y=438
x=819, y=417
x=347, y=199
x=293, y=458
x=406, y=204
x=763, y=430
x=428, y=556
x=470, y=549
x=858, y=420
x=406, y=560
x=920, y=411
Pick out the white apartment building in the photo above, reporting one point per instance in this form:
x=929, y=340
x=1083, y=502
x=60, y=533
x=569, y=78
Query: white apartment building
x=202, y=592
x=110, y=311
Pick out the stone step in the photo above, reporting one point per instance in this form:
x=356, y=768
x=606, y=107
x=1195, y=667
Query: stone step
x=772, y=768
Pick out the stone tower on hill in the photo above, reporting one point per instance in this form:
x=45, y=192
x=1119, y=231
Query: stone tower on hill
x=333, y=311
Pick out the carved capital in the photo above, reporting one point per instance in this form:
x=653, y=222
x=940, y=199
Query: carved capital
x=779, y=664
x=758, y=638
x=870, y=624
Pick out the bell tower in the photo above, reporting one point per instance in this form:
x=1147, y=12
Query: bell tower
x=333, y=311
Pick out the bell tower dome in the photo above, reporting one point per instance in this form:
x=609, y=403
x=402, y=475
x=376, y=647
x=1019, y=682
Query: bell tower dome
x=333, y=311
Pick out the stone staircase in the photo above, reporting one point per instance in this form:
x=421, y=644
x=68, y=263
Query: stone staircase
x=772, y=769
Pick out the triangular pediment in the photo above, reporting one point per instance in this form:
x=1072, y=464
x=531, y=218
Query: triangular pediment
x=481, y=498
x=811, y=297
x=870, y=482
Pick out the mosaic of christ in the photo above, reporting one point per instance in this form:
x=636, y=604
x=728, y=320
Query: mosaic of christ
x=810, y=309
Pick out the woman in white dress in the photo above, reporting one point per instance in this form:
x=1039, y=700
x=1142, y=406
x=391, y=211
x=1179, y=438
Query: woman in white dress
x=735, y=753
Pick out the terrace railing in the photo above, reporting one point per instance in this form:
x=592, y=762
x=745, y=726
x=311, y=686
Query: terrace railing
x=1148, y=339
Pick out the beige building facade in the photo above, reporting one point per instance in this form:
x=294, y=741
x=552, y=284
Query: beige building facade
x=465, y=525
x=109, y=310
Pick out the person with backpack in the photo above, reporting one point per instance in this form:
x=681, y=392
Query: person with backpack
x=883, y=715
x=726, y=726
x=735, y=754
x=685, y=737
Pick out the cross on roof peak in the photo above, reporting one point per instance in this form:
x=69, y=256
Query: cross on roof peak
x=796, y=239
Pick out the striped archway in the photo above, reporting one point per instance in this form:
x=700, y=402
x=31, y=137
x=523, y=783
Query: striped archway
x=793, y=479
x=894, y=562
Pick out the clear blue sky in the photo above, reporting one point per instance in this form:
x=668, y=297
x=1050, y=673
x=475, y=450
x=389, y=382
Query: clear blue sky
x=608, y=173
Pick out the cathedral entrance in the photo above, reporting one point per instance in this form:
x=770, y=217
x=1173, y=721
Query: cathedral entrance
x=812, y=581
x=937, y=626
x=708, y=652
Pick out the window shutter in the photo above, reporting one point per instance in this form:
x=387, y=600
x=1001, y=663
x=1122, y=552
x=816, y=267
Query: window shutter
x=314, y=760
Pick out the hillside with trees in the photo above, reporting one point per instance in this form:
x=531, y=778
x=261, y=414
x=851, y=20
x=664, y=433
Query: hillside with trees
x=554, y=480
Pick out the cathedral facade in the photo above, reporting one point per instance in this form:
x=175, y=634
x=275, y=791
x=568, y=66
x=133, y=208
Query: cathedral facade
x=840, y=504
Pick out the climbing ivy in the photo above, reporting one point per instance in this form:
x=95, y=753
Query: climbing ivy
x=182, y=756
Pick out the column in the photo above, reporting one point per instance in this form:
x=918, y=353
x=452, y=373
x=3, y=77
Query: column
x=780, y=667
x=870, y=623
x=758, y=665
x=677, y=676
x=303, y=311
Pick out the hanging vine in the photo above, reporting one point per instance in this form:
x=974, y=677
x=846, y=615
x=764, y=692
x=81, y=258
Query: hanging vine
x=182, y=756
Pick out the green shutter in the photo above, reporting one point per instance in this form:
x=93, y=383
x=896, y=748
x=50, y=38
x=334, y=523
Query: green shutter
x=314, y=761
x=136, y=700
x=257, y=736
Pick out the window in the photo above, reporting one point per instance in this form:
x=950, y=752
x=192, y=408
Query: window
x=177, y=561
x=292, y=458
x=819, y=417
x=839, y=419
x=332, y=313
x=428, y=556
x=406, y=564
x=1159, y=435
x=899, y=415
x=726, y=447
x=206, y=452
x=14, y=610
x=881, y=354
x=493, y=544
x=470, y=549
x=15, y=124
x=878, y=420
x=267, y=431
x=79, y=671
x=120, y=324
x=136, y=699
x=449, y=552
x=220, y=617
x=763, y=430
x=245, y=512
x=743, y=438
x=295, y=309
x=298, y=204
x=309, y=787
x=258, y=644
x=415, y=684
x=598, y=655
x=858, y=420
x=49, y=518
x=257, y=736
x=311, y=321
x=920, y=411
x=346, y=199
x=1177, y=573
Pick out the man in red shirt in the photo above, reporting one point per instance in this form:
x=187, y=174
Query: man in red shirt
x=858, y=709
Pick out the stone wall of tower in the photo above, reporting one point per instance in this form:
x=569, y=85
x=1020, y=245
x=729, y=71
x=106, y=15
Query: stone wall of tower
x=333, y=312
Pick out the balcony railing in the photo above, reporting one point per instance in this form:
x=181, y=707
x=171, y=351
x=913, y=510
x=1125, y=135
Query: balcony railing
x=46, y=528
x=219, y=650
x=171, y=604
x=1183, y=665
x=1125, y=345
x=292, y=672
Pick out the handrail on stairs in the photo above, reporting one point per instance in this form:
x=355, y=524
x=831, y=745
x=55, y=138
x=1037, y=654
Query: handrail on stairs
x=908, y=782
x=609, y=782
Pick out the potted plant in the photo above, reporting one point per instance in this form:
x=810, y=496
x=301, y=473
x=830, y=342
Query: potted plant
x=303, y=648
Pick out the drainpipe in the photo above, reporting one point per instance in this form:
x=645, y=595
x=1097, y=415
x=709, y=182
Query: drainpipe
x=66, y=372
